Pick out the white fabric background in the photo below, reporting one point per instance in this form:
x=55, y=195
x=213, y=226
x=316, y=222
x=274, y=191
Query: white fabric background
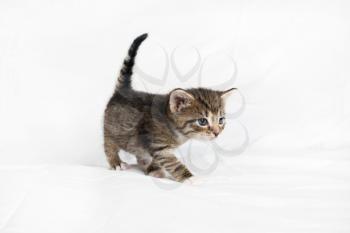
x=58, y=66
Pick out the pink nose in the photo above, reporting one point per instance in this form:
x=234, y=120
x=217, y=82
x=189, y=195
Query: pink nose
x=216, y=131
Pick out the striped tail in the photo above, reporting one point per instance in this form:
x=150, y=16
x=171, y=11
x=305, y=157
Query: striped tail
x=124, y=79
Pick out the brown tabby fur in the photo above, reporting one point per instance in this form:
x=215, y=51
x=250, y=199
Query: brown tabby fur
x=151, y=126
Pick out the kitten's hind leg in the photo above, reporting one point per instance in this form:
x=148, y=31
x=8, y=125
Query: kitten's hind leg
x=112, y=153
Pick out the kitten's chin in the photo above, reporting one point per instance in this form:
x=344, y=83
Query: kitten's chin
x=204, y=137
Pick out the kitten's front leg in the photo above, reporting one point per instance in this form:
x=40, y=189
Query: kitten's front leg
x=172, y=165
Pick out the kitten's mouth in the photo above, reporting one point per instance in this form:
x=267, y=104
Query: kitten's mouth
x=205, y=137
x=211, y=137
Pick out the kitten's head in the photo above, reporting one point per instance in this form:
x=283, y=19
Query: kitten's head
x=199, y=113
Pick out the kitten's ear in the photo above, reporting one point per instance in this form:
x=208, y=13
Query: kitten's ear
x=179, y=99
x=227, y=93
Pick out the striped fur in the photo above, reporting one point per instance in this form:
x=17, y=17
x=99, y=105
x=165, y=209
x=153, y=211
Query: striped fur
x=151, y=126
x=124, y=79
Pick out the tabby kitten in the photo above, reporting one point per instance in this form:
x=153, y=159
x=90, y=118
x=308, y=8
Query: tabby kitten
x=151, y=126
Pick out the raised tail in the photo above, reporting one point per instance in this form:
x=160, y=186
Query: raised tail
x=124, y=79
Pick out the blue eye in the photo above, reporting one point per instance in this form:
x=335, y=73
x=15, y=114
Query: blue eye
x=222, y=120
x=202, y=121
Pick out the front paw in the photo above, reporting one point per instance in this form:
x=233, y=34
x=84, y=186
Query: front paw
x=159, y=173
x=183, y=176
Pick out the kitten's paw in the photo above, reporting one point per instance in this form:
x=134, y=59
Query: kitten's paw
x=124, y=166
x=121, y=166
x=157, y=173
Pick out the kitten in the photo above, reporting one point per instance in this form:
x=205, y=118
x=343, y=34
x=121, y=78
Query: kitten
x=151, y=126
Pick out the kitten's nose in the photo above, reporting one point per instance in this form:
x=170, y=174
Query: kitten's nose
x=216, y=131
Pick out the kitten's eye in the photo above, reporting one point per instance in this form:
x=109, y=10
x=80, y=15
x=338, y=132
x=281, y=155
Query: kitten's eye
x=222, y=120
x=202, y=121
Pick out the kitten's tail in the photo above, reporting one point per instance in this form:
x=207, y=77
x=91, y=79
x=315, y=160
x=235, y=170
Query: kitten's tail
x=124, y=79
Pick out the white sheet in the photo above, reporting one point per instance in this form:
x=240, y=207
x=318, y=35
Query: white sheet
x=300, y=192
